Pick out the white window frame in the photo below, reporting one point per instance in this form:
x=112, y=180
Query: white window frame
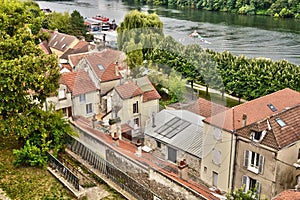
x=135, y=107
x=254, y=162
x=82, y=98
x=217, y=133
x=61, y=94
x=89, y=108
x=246, y=180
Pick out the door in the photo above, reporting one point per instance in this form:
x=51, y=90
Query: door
x=172, y=154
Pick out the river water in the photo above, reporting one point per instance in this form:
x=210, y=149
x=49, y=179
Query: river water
x=252, y=36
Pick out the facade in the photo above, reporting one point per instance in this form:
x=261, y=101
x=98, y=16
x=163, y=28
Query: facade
x=134, y=102
x=266, y=152
x=85, y=97
x=222, y=140
x=175, y=136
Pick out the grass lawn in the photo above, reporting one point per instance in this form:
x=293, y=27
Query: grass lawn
x=27, y=182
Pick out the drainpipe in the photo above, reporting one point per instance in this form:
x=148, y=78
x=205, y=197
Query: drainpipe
x=232, y=169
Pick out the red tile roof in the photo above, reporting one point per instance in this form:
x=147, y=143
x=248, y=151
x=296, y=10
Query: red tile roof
x=277, y=137
x=128, y=90
x=288, y=195
x=106, y=58
x=255, y=110
x=206, y=108
x=60, y=41
x=78, y=82
x=151, y=94
x=45, y=48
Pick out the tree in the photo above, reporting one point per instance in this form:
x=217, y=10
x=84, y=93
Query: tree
x=139, y=33
x=28, y=76
x=76, y=25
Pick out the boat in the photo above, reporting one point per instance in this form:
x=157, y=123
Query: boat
x=99, y=17
x=94, y=24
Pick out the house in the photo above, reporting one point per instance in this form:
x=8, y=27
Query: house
x=176, y=135
x=134, y=102
x=59, y=43
x=266, y=151
x=222, y=141
x=288, y=195
x=77, y=95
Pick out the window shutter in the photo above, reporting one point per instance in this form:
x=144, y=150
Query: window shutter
x=258, y=188
x=261, y=164
x=246, y=158
x=244, y=182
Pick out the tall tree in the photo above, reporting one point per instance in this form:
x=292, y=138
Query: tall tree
x=138, y=34
x=28, y=76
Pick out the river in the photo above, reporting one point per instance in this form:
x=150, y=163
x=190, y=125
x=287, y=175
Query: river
x=252, y=36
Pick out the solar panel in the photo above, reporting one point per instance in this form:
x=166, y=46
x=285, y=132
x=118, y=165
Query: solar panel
x=172, y=127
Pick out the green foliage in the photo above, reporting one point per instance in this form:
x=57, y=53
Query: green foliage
x=176, y=86
x=289, y=8
x=239, y=194
x=65, y=23
x=28, y=76
x=138, y=34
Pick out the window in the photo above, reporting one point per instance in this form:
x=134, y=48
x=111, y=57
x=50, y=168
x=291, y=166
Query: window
x=65, y=111
x=253, y=161
x=205, y=170
x=250, y=184
x=61, y=94
x=258, y=136
x=272, y=107
x=82, y=98
x=89, y=108
x=215, y=179
x=280, y=122
x=136, y=107
x=217, y=133
x=216, y=156
x=137, y=121
x=158, y=144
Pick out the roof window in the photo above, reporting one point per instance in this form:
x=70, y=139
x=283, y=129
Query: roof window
x=272, y=107
x=280, y=122
x=100, y=67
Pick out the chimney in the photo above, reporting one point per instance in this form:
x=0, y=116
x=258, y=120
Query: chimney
x=115, y=139
x=117, y=68
x=183, y=169
x=139, y=148
x=244, y=119
x=153, y=120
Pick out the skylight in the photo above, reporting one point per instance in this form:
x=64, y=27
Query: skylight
x=280, y=122
x=172, y=127
x=272, y=107
x=100, y=67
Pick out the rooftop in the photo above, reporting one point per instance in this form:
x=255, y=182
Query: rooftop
x=255, y=110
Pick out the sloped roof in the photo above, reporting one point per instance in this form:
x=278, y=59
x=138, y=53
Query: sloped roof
x=188, y=139
x=255, y=110
x=44, y=46
x=206, y=108
x=106, y=58
x=139, y=86
x=277, y=136
x=61, y=41
x=149, y=91
x=81, y=47
x=78, y=82
x=128, y=90
x=288, y=195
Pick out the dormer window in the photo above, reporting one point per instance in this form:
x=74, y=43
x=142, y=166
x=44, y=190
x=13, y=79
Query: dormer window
x=258, y=136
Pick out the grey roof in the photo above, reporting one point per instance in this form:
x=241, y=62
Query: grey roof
x=181, y=129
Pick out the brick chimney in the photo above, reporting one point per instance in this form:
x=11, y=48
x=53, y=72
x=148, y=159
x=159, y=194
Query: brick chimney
x=244, y=119
x=115, y=138
x=139, y=148
x=183, y=169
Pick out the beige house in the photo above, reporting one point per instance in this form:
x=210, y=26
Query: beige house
x=266, y=151
x=134, y=102
x=221, y=140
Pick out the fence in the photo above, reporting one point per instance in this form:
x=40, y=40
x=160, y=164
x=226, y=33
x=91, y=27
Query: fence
x=68, y=175
x=122, y=179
